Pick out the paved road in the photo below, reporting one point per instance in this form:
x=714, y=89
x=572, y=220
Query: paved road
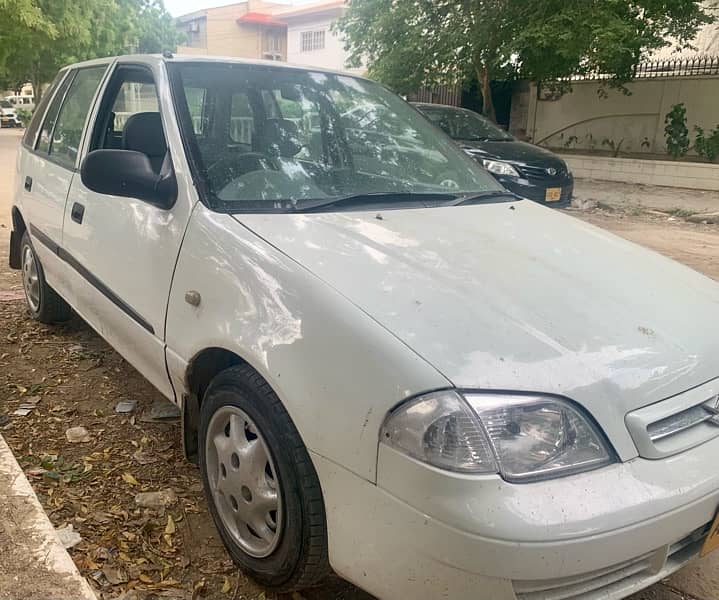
x=698, y=581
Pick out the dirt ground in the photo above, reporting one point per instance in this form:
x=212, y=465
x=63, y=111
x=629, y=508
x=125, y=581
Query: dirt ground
x=74, y=378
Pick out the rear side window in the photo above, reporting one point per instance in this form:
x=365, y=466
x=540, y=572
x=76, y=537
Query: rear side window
x=43, y=144
x=32, y=129
x=73, y=114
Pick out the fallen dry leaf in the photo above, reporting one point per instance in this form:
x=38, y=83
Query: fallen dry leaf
x=170, y=527
x=128, y=478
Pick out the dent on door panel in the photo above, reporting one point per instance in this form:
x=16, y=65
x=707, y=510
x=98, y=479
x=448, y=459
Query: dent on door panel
x=336, y=370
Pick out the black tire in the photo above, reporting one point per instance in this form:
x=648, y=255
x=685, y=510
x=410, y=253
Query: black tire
x=49, y=307
x=300, y=558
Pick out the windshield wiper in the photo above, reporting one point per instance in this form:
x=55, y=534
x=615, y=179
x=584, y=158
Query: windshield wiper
x=484, y=197
x=426, y=199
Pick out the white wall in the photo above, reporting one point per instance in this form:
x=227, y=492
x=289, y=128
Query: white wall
x=333, y=56
x=583, y=119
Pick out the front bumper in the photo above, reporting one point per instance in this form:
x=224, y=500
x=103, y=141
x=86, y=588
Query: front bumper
x=8, y=121
x=424, y=533
x=536, y=190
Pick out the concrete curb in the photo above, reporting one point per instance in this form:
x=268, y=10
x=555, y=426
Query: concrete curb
x=33, y=563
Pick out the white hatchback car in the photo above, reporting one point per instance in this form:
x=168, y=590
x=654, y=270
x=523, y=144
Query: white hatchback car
x=386, y=363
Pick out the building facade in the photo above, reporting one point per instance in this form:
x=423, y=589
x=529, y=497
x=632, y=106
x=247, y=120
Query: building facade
x=311, y=37
x=245, y=30
x=302, y=35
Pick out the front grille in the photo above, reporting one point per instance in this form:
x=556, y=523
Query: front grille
x=587, y=585
x=676, y=424
x=533, y=172
x=612, y=581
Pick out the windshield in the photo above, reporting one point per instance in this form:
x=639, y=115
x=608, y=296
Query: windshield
x=5, y=104
x=267, y=138
x=462, y=124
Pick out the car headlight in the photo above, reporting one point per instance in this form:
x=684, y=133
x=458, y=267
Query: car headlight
x=499, y=168
x=522, y=437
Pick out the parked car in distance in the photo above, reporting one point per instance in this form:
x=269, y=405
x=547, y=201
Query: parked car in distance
x=386, y=363
x=8, y=115
x=525, y=169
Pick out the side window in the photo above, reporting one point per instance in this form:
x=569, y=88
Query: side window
x=242, y=119
x=73, y=114
x=129, y=116
x=304, y=113
x=196, y=98
x=43, y=144
x=132, y=98
x=31, y=132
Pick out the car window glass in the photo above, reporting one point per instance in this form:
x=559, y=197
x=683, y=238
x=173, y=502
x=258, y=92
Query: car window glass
x=133, y=97
x=281, y=135
x=461, y=124
x=5, y=104
x=73, y=114
x=305, y=114
x=31, y=131
x=242, y=122
x=196, y=105
x=43, y=144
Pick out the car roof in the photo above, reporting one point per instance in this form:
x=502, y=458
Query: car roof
x=155, y=59
x=431, y=105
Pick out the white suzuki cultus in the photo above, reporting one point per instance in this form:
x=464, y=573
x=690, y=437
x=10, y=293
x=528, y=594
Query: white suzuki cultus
x=387, y=364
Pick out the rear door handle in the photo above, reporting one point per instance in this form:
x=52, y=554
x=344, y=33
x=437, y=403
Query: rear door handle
x=28, y=184
x=77, y=212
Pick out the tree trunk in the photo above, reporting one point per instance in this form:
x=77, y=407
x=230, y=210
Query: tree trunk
x=485, y=81
x=36, y=86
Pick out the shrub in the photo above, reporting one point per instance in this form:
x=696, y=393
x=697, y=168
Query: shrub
x=24, y=115
x=707, y=144
x=676, y=133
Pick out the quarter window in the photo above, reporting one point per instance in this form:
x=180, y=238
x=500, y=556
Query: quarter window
x=70, y=124
x=43, y=144
x=312, y=40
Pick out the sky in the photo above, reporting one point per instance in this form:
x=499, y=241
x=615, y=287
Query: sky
x=181, y=7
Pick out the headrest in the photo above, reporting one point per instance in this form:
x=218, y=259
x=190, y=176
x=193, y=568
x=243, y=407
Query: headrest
x=280, y=137
x=143, y=133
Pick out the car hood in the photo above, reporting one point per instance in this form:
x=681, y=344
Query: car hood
x=515, y=296
x=512, y=151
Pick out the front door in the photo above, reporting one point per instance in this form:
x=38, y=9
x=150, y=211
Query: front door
x=124, y=248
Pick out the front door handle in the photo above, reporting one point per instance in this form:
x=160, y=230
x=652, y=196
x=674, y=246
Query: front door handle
x=28, y=184
x=77, y=212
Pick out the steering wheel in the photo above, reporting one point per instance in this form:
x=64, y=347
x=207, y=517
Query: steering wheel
x=229, y=167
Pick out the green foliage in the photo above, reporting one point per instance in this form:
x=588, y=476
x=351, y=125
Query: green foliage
x=707, y=144
x=676, y=133
x=409, y=43
x=24, y=115
x=40, y=36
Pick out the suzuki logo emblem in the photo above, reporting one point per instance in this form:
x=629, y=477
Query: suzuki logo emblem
x=712, y=407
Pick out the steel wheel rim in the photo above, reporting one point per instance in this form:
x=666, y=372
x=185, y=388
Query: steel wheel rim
x=30, y=278
x=243, y=481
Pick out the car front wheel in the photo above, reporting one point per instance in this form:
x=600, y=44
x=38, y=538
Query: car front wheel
x=263, y=491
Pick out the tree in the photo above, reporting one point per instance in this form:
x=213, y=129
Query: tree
x=43, y=35
x=410, y=43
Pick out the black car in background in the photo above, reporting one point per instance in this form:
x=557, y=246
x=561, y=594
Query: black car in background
x=525, y=169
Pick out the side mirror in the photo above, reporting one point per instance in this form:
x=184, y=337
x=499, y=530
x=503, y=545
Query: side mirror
x=130, y=174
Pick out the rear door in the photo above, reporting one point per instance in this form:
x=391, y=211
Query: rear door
x=48, y=163
x=124, y=249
